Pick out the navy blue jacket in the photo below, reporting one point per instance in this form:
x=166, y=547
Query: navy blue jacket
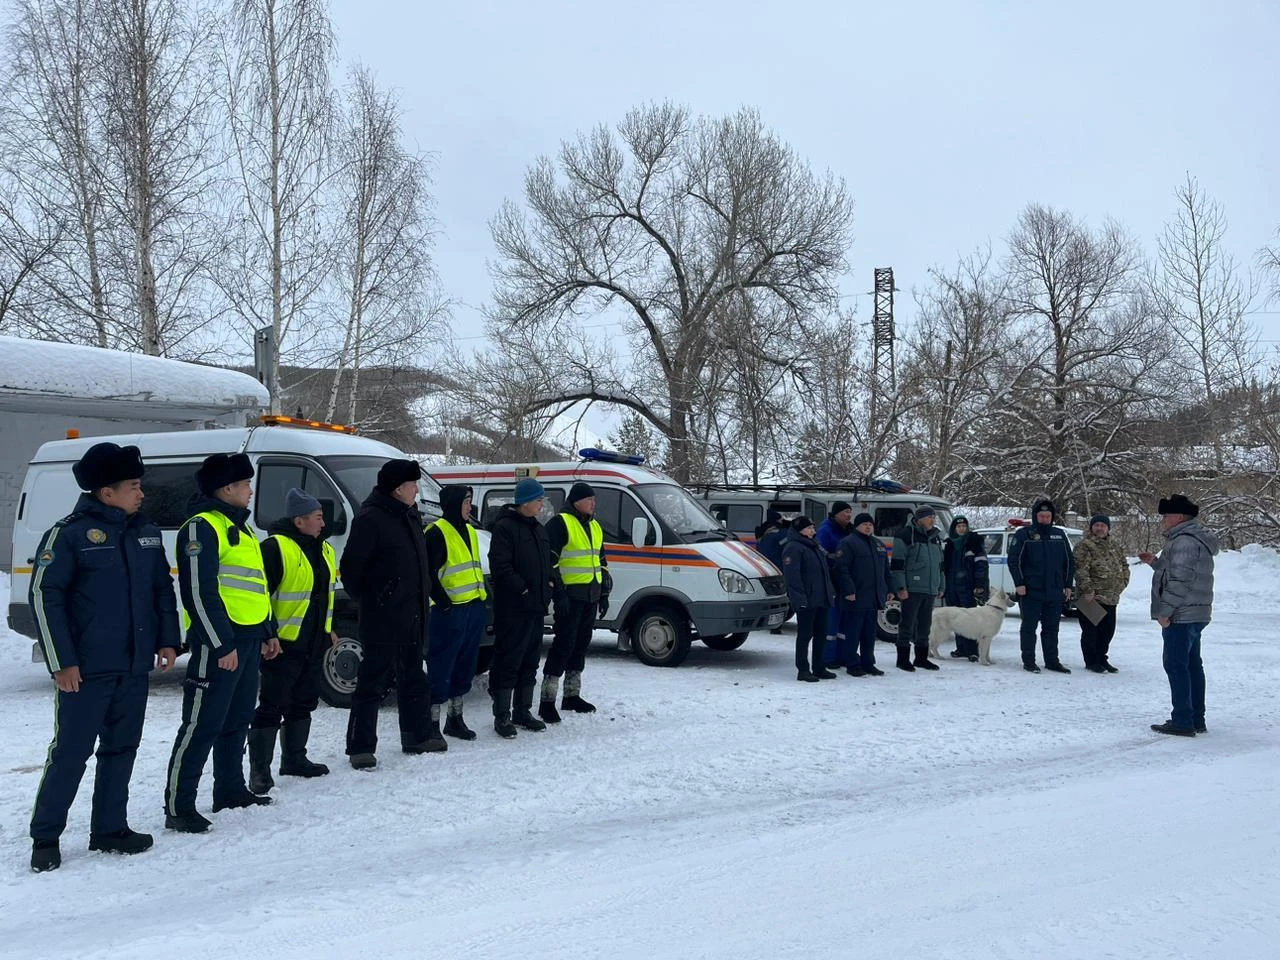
x=771, y=546
x=831, y=533
x=805, y=568
x=102, y=593
x=860, y=567
x=966, y=569
x=1040, y=559
x=198, y=579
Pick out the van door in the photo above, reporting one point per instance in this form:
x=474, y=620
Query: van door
x=815, y=509
x=633, y=570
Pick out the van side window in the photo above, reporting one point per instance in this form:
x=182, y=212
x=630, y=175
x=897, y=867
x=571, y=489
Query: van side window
x=167, y=488
x=274, y=480
x=739, y=517
x=993, y=544
x=615, y=509
x=890, y=520
x=496, y=499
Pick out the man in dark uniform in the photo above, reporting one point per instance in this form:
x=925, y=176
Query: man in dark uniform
x=520, y=566
x=302, y=576
x=1042, y=567
x=384, y=569
x=581, y=594
x=224, y=593
x=105, y=614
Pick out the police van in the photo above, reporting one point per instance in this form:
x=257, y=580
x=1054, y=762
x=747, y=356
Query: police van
x=743, y=507
x=678, y=574
x=326, y=460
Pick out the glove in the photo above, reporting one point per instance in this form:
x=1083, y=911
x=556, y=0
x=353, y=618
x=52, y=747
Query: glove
x=603, y=608
x=560, y=603
x=980, y=594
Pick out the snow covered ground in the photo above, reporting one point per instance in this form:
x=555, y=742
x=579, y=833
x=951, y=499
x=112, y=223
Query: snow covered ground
x=722, y=810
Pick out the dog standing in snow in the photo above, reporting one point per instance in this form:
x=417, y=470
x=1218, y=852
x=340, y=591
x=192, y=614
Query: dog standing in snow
x=980, y=623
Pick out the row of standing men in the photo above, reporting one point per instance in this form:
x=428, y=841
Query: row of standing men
x=259, y=619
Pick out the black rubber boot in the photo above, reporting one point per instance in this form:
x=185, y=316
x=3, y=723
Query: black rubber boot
x=187, y=822
x=575, y=703
x=454, y=725
x=502, y=724
x=904, y=658
x=124, y=841
x=293, y=751
x=240, y=801
x=548, y=712
x=922, y=657
x=262, y=747
x=522, y=715
x=436, y=743
x=46, y=855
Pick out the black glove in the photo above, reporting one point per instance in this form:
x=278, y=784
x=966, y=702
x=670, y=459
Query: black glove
x=603, y=607
x=560, y=603
x=980, y=594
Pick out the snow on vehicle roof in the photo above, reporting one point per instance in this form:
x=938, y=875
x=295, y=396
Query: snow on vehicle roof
x=201, y=443
x=39, y=369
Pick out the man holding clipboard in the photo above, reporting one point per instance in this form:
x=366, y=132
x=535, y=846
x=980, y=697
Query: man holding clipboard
x=1102, y=573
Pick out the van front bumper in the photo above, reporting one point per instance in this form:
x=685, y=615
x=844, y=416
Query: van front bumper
x=720, y=617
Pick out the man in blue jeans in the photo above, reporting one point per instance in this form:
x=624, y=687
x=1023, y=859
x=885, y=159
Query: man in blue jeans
x=1182, y=602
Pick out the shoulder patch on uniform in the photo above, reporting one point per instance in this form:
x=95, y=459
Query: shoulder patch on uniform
x=94, y=535
x=787, y=559
x=45, y=559
x=192, y=548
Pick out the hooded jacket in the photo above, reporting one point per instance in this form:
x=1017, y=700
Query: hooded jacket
x=806, y=571
x=451, y=498
x=917, y=561
x=384, y=569
x=965, y=562
x=1182, y=585
x=312, y=630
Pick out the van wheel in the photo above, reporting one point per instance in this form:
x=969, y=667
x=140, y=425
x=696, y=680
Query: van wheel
x=887, y=622
x=660, y=636
x=338, y=672
x=725, y=641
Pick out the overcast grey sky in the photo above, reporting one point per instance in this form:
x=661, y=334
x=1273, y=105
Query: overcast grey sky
x=945, y=118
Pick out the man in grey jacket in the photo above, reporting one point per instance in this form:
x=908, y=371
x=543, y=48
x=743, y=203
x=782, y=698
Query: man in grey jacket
x=1182, y=602
x=916, y=575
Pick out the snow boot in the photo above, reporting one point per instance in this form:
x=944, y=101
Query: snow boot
x=46, y=855
x=1057, y=667
x=547, y=701
x=502, y=724
x=363, y=761
x=822, y=673
x=124, y=841
x=454, y=725
x=1030, y=668
x=293, y=751
x=187, y=822
x=1200, y=727
x=1168, y=728
x=904, y=658
x=922, y=657
x=240, y=801
x=522, y=713
x=1109, y=668
x=436, y=743
x=805, y=676
x=262, y=747
x=1096, y=668
x=572, y=699
x=873, y=671
x=855, y=671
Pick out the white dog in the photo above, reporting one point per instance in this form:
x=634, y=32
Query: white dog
x=977, y=623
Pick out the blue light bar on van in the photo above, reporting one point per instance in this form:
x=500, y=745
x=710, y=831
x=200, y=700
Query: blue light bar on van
x=889, y=486
x=609, y=456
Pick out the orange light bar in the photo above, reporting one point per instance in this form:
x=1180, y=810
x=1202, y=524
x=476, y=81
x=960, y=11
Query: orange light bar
x=275, y=420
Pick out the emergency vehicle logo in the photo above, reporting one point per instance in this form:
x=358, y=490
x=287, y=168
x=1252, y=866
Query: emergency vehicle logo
x=45, y=559
x=96, y=536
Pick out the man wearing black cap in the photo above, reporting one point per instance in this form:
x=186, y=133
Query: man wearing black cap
x=1042, y=568
x=228, y=608
x=917, y=574
x=302, y=575
x=105, y=614
x=837, y=526
x=582, y=585
x=384, y=569
x=1182, y=603
x=860, y=569
x=1102, y=573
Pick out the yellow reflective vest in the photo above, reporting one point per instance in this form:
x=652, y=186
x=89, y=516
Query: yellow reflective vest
x=242, y=584
x=461, y=577
x=580, y=559
x=293, y=595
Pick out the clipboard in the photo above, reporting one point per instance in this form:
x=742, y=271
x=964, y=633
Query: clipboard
x=1091, y=609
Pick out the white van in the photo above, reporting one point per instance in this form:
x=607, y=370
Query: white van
x=326, y=460
x=677, y=572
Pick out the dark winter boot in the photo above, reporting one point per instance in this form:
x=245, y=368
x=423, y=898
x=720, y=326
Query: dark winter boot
x=293, y=751
x=363, y=761
x=547, y=702
x=1168, y=728
x=436, y=743
x=1057, y=667
x=804, y=676
x=502, y=724
x=904, y=658
x=124, y=841
x=262, y=747
x=454, y=726
x=46, y=855
x=522, y=714
x=922, y=657
x=873, y=671
x=240, y=801
x=572, y=699
x=188, y=822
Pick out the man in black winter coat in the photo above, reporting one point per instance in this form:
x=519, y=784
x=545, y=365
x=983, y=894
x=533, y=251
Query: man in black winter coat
x=520, y=567
x=301, y=576
x=384, y=569
x=807, y=573
x=860, y=569
x=102, y=596
x=964, y=556
x=1043, y=568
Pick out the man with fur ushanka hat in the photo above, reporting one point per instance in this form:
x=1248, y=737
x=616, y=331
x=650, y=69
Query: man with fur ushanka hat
x=1042, y=568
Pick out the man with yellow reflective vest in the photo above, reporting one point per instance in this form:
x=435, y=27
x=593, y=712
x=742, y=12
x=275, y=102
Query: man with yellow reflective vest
x=228, y=613
x=582, y=586
x=302, y=575
x=457, y=619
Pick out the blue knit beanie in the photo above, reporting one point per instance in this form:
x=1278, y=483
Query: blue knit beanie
x=528, y=490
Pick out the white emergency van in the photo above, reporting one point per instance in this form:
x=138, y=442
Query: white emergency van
x=328, y=461
x=678, y=574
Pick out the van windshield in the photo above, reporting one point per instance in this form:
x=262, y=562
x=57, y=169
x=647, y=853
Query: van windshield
x=358, y=475
x=682, y=517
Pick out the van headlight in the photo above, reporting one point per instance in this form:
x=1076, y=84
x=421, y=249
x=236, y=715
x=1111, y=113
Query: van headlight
x=734, y=582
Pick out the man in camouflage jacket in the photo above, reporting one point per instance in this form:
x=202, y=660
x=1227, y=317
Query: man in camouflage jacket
x=1102, y=573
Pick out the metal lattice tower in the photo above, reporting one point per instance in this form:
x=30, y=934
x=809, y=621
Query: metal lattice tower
x=883, y=369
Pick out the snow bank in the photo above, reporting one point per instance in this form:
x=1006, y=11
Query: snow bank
x=39, y=368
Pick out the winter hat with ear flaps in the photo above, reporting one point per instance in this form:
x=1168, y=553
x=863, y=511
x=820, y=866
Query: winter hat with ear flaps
x=1178, y=504
x=395, y=472
x=105, y=464
x=1044, y=503
x=223, y=469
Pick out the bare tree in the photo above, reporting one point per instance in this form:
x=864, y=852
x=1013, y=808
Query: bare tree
x=279, y=105
x=382, y=259
x=658, y=226
x=25, y=246
x=1269, y=262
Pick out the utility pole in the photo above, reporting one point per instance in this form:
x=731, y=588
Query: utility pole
x=884, y=377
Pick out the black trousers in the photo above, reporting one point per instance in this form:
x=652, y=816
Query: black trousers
x=379, y=660
x=1095, y=641
x=107, y=711
x=573, y=625
x=811, y=631
x=517, y=647
x=916, y=619
x=289, y=688
x=1043, y=613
